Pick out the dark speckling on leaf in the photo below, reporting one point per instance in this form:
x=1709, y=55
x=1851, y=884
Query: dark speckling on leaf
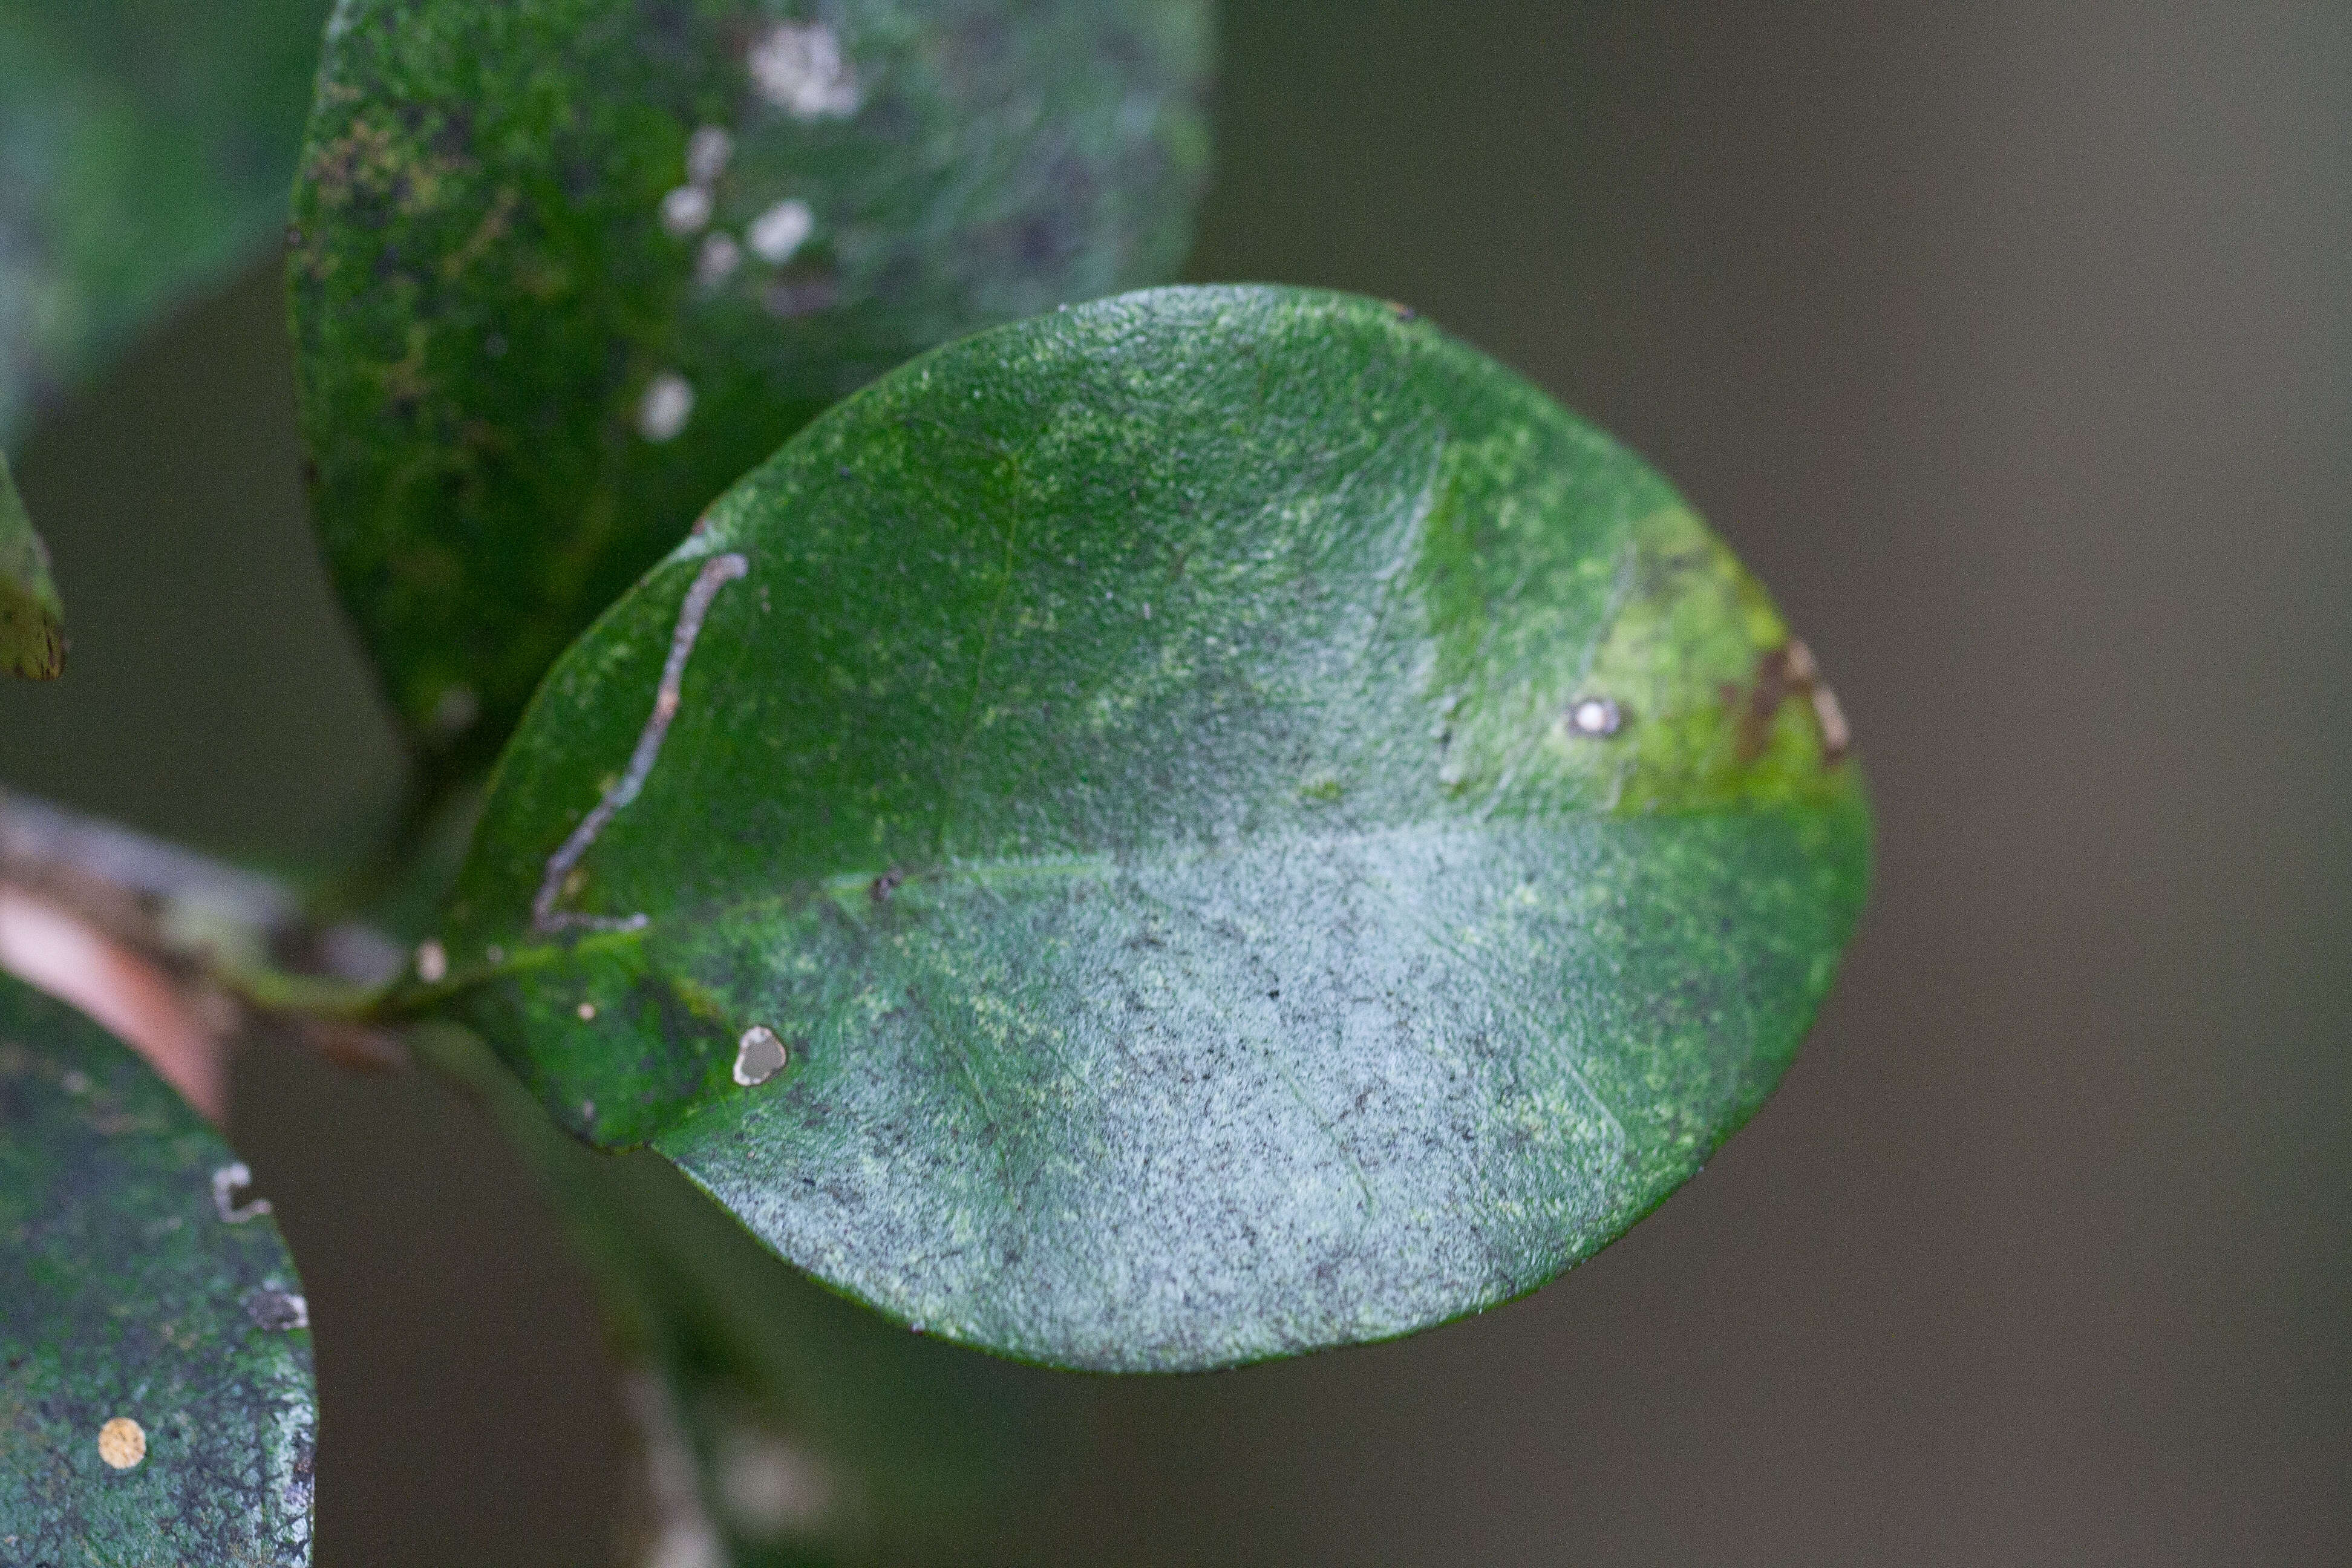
x=685, y=229
x=127, y=1309
x=1269, y=962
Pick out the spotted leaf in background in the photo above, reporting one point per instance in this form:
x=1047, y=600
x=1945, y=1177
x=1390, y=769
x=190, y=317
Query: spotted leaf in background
x=563, y=271
x=156, y=1399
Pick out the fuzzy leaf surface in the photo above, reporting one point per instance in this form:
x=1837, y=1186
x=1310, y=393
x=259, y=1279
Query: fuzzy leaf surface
x=564, y=271
x=129, y=1301
x=1254, y=828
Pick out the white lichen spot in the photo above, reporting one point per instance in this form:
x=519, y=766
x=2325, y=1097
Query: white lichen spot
x=782, y=230
x=706, y=152
x=800, y=68
x=1595, y=717
x=278, y=1311
x=226, y=1182
x=121, y=1443
x=685, y=209
x=431, y=961
x=661, y=412
x=717, y=260
x=1450, y=776
x=759, y=1056
x=587, y=1012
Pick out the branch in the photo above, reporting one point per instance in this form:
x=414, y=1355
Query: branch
x=177, y=952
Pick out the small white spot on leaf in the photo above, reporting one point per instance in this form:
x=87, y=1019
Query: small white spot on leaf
x=587, y=1012
x=227, y=1180
x=706, y=152
x=278, y=1311
x=717, y=260
x=801, y=69
x=760, y=1054
x=661, y=412
x=782, y=230
x=431, y=961
x=1595, y=716
x=684, y=210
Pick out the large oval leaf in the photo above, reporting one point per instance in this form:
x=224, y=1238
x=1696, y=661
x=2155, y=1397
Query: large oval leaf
x=563, y=271
x=32, y=621
x=156, y=1402
x=1249, y=826
x=144, y=152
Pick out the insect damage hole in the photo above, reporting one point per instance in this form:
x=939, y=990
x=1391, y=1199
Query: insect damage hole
x=759, y=1056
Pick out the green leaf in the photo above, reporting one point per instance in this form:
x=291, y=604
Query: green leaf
x=563, y=271
x=156, y=1402
x=32, y=620
x=1253, y=827
x=808, y=1423
x=145, y=150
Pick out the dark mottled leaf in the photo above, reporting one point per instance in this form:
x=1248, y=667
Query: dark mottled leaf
x=156, y=1402
x=32, y=621
x=1249, y=826
x=564, y=271
x=145, y=152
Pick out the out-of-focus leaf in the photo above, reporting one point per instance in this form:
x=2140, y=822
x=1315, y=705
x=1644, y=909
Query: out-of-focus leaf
x=32, y=621
x=1197, y=828
x=146, y=147
x=563, y=271
x=156, y=1401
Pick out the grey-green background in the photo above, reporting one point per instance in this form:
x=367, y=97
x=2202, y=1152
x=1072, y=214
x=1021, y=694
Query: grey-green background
x=2009, y=342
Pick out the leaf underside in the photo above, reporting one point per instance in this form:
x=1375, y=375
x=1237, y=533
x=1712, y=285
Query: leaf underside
x=1253, y=829
x=562, y=272
x=32, y=621
x=145, y=152
x=126, y=1296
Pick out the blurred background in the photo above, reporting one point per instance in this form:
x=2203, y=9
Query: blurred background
x=2012, y=345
